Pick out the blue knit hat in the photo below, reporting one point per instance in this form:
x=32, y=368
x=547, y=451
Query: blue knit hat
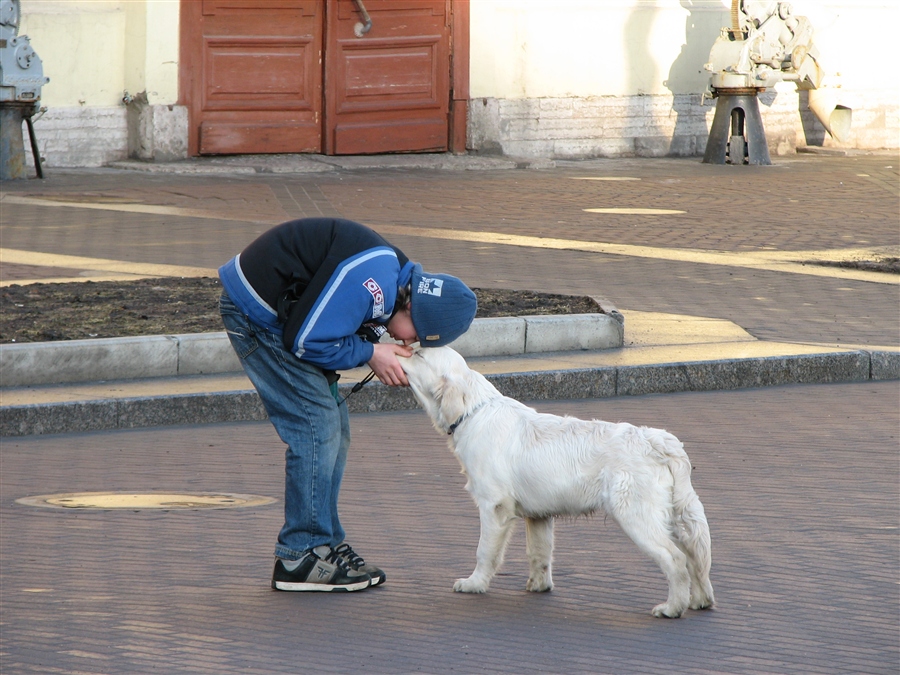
x=442, y=307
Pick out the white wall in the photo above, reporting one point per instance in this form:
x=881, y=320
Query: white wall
x=581, y=48
x=571, y=78
x=82, y=46
x=560, y=48
x=151, y=54
x=94, y=51
x=563, y=78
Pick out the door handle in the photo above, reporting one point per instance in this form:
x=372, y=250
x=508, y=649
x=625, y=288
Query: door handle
x=361, y=29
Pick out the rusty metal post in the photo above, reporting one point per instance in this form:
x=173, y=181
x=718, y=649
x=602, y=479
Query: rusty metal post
x=21, y=79
x=12, y=145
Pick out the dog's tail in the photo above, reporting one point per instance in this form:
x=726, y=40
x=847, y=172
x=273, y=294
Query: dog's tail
x=691, y=527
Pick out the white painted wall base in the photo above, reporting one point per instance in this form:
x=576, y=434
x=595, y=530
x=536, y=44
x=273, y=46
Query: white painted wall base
x=663, y=125
x=92, y=137
x=81, y=137
x=157, y=132
x=560, y=128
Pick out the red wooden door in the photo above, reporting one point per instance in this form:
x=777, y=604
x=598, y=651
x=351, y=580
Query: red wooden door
x=253, y=76
x=280, y=76
x=388, y=90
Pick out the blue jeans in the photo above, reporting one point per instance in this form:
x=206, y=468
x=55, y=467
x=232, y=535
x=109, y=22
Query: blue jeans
x=304, y=412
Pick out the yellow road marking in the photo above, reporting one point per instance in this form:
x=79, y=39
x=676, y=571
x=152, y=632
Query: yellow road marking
x=636, y=212
x=108, y=270
x=604, y=178
x=153, y=209
x=77, y=280
x=775, y=261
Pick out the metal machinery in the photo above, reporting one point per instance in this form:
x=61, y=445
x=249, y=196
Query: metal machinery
x=765, y=44
x=21, y=79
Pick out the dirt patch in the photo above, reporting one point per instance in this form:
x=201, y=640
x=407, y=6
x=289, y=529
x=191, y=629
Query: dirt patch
x=169, y=306
x=887, y=265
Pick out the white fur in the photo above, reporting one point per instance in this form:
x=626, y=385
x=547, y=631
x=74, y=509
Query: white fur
x=524, y=464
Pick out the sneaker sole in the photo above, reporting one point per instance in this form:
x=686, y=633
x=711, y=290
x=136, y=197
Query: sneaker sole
x=297, y=586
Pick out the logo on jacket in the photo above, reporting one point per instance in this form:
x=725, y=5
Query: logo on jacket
x=430, y=286
x=377, y=295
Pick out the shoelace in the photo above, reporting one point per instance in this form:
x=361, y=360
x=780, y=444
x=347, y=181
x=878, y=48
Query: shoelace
x=335, y=558
x=350, y=556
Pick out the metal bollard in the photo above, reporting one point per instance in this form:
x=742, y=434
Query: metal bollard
x=737, y=135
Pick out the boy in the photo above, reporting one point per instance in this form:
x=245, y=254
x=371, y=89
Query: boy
x=307, y=298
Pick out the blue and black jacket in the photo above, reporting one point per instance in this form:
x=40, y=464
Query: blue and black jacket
x=317, y=281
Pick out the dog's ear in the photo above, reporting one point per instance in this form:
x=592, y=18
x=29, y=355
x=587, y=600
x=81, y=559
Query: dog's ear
x=453, y=399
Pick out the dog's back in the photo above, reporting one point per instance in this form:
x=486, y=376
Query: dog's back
x=565, y=466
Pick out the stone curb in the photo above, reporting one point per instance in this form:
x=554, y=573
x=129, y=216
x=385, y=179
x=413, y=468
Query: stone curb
x=43, y=363
x=287, y=164
x=601, y=382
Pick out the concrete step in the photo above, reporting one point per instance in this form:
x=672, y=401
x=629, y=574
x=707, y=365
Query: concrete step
x=41, y=363
x=665, y=353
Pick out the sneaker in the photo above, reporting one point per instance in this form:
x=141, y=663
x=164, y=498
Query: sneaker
x=356, y=562
x=321, y=569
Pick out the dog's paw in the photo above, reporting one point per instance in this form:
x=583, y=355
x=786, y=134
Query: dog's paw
x=469, y=586
x=702, y=598
x=665, y=611
x=539, y=585
x=702, y=604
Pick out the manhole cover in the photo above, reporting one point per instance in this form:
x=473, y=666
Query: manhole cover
x=146, y=500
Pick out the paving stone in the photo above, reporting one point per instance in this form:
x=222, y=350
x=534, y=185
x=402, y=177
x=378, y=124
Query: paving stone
x=803, y=510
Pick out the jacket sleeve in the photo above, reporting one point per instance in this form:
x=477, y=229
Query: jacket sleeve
x=361, y=289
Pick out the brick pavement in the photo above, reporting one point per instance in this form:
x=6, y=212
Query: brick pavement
x=803, y=507
x=801, y=203
x=805, y=587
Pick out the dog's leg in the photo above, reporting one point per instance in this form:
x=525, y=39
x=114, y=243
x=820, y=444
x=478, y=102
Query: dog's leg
x=695, y=543
x=689, y=529
x=539, y=549
x=496, y=528
x=652, y=537
x=701, y=588
x=692, y=536
x=698, y=563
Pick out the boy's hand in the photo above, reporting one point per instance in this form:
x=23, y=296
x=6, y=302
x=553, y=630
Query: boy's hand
x=385, y=365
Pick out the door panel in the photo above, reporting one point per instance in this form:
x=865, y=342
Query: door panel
x=389, y=75
x=259, y=85
x=389, y=89
x=278, y=76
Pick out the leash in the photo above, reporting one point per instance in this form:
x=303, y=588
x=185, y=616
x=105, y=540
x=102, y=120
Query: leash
x=359, y=385
x=462, y=418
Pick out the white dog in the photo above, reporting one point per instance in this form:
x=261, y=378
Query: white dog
x=521, y=463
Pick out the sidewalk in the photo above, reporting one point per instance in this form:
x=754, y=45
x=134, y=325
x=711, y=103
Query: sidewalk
x=665, y=354
x=799, y=485
x=714, y=273
x=710, y=267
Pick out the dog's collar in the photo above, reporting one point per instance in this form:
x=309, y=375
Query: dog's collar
x=453, y=426
x=462, y=418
